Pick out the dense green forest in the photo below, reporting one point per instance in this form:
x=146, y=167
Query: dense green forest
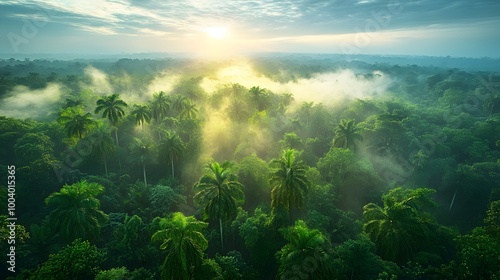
x=264, y=168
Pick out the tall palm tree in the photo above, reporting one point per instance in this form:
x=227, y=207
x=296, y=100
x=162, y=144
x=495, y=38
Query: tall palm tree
x=160, y=106
x=220, y=194
x=188, y=112
x=142, y=151
x=303, y=244
x=288, y=181
x=182, y=238
x=77, y=124
x=102, y=146
x=142, y=114
x=180, y=102
x=112, y=107
x=305, y=113
x=400, y=227
x=172, y=149
x=258, y=95
x=77, y=213
x=346, y=135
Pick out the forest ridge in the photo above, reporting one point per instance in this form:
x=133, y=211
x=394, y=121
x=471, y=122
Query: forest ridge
x=278, y=167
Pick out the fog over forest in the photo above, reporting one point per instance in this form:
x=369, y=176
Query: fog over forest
x=268, y=166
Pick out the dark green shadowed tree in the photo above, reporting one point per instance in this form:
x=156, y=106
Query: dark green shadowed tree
x=288, y=181
x=219, y=192
x=142, y=114
x=142, y=151
x=182, y=238
x=172, y=149
x=401, y=227
x=346, y=135
x=78, y=125
x=77, y=213
x=304, y=257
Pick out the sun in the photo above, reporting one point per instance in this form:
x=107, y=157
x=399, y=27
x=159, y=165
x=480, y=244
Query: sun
x=216, y=32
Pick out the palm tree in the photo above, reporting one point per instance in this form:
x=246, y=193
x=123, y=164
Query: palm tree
x=188, y=112
x=305, y=113
x=219, y=193
x=288, y=181
x=259, y=97
x=142, y=151
x=160, y=106
x=76, y=213
x=112, y=107
x=180, y=103
x=102, y=146
x=346, y=135
x=172, y=149
x=182, y=238
x=142, y=114
x=400, y=227
x=237, y=110
x=77, y=124
x=303, y=244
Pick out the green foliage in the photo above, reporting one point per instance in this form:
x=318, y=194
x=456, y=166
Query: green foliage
x=356, y=259
x=182, y=238
x=261, y=239
x=492, y=220
x=77, y=124
x=164, y=198
x=119, y=273
x=346, y=135
x=79, y=260
x=355, y=180
x=209, y=270
x=434, y=127
x=171, y=149
x=289, y=181
x=142, y=151
x=112, y=107
x=253, y=174
x=160, y=106
x=142, y=114
x=305, y=254
x=32, y=147
x=401, y=227
x=76, y=213
x=337, y=165
x=292, y=141
x=478, y=256
x=234, y=267
x=131, y=228
x=219, y=193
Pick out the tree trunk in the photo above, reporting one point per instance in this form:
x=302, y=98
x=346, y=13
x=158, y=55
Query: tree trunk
x=144, y=173
x=116, y=137
x=221, y=236
x=452, y=201
x=172, y=162
x=105, y=167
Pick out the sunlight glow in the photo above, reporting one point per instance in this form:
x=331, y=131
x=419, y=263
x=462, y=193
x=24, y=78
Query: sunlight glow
x=216, y=32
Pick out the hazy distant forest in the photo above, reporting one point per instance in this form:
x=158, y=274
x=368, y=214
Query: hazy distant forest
x=282, y=167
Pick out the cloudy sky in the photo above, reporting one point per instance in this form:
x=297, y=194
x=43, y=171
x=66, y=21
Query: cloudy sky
x=219, y=27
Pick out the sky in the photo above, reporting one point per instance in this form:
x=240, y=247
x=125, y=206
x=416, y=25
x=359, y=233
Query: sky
x=214, y=28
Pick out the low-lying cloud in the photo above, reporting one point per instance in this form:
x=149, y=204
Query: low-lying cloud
x=23, y=103
x=326, y=88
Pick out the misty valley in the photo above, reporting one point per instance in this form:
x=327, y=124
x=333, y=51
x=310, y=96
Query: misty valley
x=269, y=166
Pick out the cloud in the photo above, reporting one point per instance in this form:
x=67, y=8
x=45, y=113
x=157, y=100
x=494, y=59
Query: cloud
x=99, y=81
x=261, y=20
x=326, y=88
x=22, y=102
